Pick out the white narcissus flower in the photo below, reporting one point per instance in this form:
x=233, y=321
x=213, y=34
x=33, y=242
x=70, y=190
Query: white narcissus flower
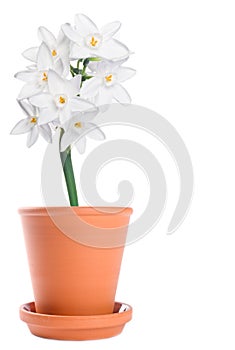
x=30, y=125
x=58, y=47
x=105, y=85
x=61, y=100
x=36, y=78
x=89, y=41
x=78, y=128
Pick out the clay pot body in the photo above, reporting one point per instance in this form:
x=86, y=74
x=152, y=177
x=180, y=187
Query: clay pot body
x=68, y=276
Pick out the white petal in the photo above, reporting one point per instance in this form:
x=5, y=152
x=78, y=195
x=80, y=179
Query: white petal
x=32, y=136
x=22, y=127
x=73, y=86
x=95, y=132
x=91, y=87
x=118, y=63
x=68, y=138
x=103, y=67
x=47, y=115
x=47, y=37
x=93, y=65
x=31, y=54
x=81, y=144
x=44, y=58
x=71, y=33
x=32, y=67
x=104, y=96
x=110, y=29
x=115, y=65
x=27, y=76
x=59, y=66
x=65, y=114
x=46, y=133
x=85, y=25
x=66, y=67
x=79, y=52
x=62, y=40
x=88, y=116
x=29, y=90
x=124, y=73
x=56, y=84
x=43, y=100
x=78, y=104
x=54, y=124
x=27, y=108
x=113, y=49
x=120, y=94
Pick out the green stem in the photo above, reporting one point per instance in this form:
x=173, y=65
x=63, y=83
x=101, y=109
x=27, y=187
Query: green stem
x=78, y=63
x=71, y=70
x=65, y=156
x=67, y=165
x=85, y=64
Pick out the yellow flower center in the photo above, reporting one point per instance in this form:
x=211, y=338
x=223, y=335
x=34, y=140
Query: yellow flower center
x=78, y=125
x=109, y=78
x=44, y=78
x=33, y=120
x=61, y=99
x=93, y=42
x=54, y=53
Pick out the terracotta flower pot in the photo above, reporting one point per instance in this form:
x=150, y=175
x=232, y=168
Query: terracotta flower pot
x=74, y=256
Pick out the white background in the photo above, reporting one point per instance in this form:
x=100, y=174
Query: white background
x=181, y=286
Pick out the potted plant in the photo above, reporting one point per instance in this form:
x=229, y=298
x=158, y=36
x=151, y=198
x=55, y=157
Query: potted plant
x=74, y=284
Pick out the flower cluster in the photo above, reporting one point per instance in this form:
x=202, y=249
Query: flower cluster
x=50, y=98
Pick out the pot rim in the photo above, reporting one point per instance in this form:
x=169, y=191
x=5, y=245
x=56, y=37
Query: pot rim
x=80, y=211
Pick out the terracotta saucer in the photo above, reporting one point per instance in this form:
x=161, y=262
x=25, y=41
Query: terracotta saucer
x=76, y=327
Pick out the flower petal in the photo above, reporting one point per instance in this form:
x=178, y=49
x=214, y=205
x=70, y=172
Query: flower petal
x=56, y=84
x=113, y=49
x=32, y=136
x=73, y=86
x=54, y=124
x=115, y=65
x=71, y=33
x=68, y=138
x=29, y=90
x=22, y=127
x=31, y=54
x=85, y=25
x=110, y=29
x=124, y=73
x=91, y=87
x=104, y=96
x=44, y=58
x=81, y=144
x=94, y=132
x=78, y=104
x=47, y=37
x=43, y=100
x=66, y=66
x=27, y=75
x=32, y=67
x=59, y=66
x=120, y=94
x=77, y=52
x=47, y=115
x=65, y=114
x=45, y=132
x=92, y=66
x=62, y=41
x=87, y=116
x=28, y=109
